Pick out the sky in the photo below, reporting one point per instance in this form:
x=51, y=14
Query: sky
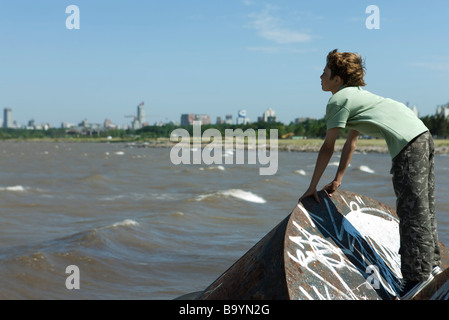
x=212, y=57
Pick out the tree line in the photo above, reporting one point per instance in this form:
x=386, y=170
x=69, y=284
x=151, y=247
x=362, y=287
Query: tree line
x=438, y=125
x=310, y=128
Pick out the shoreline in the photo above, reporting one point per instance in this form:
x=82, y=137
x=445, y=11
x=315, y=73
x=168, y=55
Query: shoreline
x=306, y=145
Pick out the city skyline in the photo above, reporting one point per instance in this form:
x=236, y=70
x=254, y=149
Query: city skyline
x=212, y=58
x=139, y=120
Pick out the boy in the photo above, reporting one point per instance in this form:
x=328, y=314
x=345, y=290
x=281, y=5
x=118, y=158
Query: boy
x=412, y=151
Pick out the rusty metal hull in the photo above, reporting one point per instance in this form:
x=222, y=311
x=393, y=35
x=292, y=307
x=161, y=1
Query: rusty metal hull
x=345, y=247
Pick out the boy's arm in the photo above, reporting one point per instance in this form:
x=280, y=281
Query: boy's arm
x=346, y=156
x=325, y=154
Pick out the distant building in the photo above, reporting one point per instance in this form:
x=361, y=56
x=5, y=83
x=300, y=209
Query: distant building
x=139, y=121
x=301, y=120
x=188, y=119
x=443, y=110
x=268, y=116
x=109, y=125
x=66, y=125
x=44, y=126
x=228, y=119
x=83, y=124
x=136, y=125
x=204, y=118
x=141, y=114
x=415, y=110
x=242, y=118
x=33, y=126
x=7, y=118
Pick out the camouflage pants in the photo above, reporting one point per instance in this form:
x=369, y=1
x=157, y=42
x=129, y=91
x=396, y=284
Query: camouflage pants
x=414, y=186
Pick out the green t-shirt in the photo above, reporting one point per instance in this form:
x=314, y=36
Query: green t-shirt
x=372, y=115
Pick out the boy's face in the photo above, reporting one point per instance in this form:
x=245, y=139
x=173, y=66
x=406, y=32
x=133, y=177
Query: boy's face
x=328, y=84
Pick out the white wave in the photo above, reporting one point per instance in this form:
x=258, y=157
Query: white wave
x=18, y=188
x=134, y=196
x=236, y=193
x=126, y=223
x=228, y=153
x=244, y=195
x=123, y=223
x=113, y=198
x=366, y=169
x=119, y=153
x=164, y=196
x=221, y=168
x=301, y=172
x=335, y=163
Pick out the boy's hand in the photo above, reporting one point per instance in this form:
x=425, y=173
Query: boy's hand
x=332, y=187
x=310, y=192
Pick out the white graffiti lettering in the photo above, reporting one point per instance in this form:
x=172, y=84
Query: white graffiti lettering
x=367, y=236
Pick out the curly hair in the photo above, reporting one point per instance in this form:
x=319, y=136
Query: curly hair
x=349, y=66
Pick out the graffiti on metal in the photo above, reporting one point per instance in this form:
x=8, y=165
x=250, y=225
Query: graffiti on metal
x=364, y=240
x=345, y=247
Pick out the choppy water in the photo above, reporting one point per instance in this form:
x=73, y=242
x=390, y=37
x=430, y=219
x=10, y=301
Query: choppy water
x=138, y=227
